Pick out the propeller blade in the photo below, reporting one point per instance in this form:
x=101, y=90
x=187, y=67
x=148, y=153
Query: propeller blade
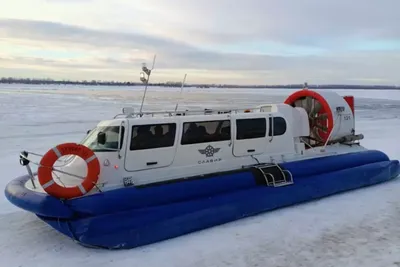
x=323, y=116
x=309, y=104
x=321, y=127
x=304, y=104
x=298, y=103
x=316, y=108
x=315, y=134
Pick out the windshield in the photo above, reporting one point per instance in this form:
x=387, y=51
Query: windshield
x=112, y=134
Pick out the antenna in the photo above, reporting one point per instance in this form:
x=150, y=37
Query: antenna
x=180, y=95
x=145, y=80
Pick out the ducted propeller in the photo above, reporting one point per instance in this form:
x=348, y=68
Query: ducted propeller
x=316, y=115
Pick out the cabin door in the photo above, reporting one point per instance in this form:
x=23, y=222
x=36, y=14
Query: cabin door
x=249, y=134
x=151, y=144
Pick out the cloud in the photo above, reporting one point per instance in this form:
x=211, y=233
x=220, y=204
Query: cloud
x=313, y=22
x=328, y=23
x=254, y=41
x=172, y=54
x=67, y=34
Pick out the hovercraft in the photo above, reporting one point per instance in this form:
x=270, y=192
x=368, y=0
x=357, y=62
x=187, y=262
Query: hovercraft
x=150, y=176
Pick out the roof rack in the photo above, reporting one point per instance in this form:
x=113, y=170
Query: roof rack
x=129, y=112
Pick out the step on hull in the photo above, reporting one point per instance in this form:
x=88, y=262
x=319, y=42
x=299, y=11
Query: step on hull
x=133, y=217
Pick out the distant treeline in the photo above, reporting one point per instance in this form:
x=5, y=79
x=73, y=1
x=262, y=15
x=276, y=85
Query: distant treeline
x=179, y=84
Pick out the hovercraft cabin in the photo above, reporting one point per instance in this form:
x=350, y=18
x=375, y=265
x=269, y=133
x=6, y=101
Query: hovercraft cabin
x=190, y=144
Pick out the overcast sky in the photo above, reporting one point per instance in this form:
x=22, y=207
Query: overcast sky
x=213, y=41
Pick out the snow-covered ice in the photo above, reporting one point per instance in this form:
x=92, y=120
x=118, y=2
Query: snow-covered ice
x=358, y=228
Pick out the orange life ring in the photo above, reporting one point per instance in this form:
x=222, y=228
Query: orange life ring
x=46, y=167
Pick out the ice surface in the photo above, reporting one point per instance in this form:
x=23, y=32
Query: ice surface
x=360, y=228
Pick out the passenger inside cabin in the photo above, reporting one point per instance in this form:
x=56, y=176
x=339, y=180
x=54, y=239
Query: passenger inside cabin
x=152, y=136
x=201, y=131
x=142, y=138
x=226, y=132
x=206, y=131
x=159, y=137
x=158, y=131
x=191, y=131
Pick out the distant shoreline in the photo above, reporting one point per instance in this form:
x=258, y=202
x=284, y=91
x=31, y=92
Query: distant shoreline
x=205, y=86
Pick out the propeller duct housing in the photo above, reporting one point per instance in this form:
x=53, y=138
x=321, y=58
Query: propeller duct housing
x=329, y=114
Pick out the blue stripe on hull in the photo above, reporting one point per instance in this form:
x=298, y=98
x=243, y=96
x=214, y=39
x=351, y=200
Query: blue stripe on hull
x=38, y=203
x=134, y=198
x=145, y=226
x=131, y=217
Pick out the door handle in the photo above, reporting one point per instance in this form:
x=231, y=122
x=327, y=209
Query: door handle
x=151, y=163
x=251, y=150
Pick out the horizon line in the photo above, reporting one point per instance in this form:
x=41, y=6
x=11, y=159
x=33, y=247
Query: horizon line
x=14, y=80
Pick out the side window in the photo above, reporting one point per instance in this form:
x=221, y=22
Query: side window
x=206, y=131
x=251, y=128
x=151, y=136
x=279, y=126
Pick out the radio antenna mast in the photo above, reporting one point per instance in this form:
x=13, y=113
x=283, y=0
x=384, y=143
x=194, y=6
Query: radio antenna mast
x=145, y=80
x=180, y=95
